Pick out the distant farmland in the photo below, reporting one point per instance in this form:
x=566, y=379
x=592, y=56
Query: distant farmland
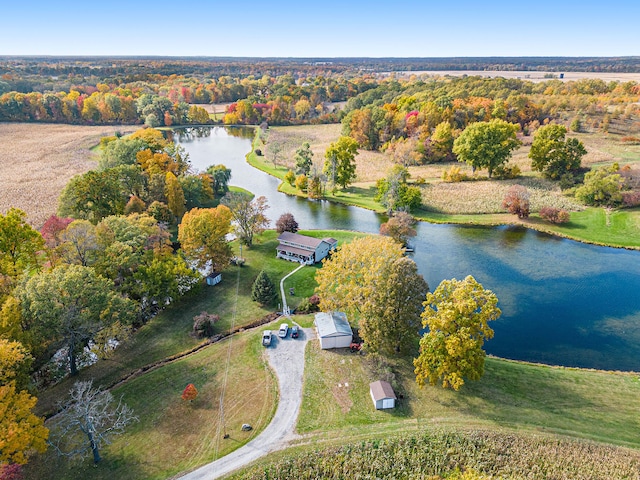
x=37, y=160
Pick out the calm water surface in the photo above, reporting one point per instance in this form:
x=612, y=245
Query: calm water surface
x=563, y=302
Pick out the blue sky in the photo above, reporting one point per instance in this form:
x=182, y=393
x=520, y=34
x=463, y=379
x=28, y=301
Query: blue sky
x=349, y=28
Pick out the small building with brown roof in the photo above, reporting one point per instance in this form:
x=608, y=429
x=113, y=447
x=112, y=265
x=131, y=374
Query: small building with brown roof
x=382, y=395
x=303, y=249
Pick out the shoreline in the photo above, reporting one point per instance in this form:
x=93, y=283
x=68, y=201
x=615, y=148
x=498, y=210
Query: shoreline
x=252, y=159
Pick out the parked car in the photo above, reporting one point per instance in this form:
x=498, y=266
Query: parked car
x=295, y=331
x=284, y=330
x=266, y=338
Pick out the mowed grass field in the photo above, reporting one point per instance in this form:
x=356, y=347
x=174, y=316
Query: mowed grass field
x=173, y=435
x=599, y=406
x=37, y=161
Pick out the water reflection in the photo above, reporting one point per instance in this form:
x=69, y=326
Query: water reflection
x=563, y=302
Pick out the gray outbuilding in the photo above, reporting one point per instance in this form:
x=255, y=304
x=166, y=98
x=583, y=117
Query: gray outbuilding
x=382, y=395
x=333, y=329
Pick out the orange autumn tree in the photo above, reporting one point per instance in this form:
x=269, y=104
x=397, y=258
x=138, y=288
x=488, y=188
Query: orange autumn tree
x=190, y=392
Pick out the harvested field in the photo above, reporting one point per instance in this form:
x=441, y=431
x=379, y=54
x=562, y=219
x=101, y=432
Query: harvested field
x=486, y=196
x=370, y=165
x=37, y=161
x=528, y=75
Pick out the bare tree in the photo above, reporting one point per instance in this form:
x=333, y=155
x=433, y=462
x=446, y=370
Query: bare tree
x=87, y=421
x=248, y=215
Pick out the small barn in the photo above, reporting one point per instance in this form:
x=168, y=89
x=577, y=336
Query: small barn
x=382, y=395
x=214, y=278
x=333, y=330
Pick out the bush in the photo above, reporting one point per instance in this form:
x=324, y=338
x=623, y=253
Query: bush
x=505, y=172
x=631, y=199
x=516, y=201
x=203, y=324
x=290, y=178
x=309, y=305
x=258, y=152
x=554, y=215
x=630, y=140
x=454, y=175
x=302, y=182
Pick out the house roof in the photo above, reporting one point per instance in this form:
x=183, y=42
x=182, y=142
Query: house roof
x=381, y=390
x=299, y=239
x=297, y=251
x=330, y=240
x=332, y=324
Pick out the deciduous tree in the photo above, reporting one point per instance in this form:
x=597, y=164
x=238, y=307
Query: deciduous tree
x=189, y=393
x=602, y=186
x=175, y=195
x=340, y=166
x=21, y=432
x=399, y=227
x=221, y=176
x=286, y=223
x=248, y=214
x=70, y=305
x=303, y=159
x=202, y=234
x=552, y=154
x=486, y=144
x=516, y=201
x=19, y=244
x=372, y=281
x=457, y=314
x=87, y=420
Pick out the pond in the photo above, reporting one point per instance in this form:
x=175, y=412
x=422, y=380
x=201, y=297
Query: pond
x=563, y=302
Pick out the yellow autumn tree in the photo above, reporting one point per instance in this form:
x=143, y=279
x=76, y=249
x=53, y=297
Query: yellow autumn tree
x=175, y=195
x=21, y=432
x=202, y=235
x=457, y=316
x=376, y=285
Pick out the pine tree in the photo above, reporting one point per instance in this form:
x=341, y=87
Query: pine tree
x=264, y=291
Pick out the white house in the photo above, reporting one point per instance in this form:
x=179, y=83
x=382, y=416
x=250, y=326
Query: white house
x=303, y=249
x=333, y=330
x=382, y=395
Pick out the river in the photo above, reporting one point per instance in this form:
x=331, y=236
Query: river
x=563, y=302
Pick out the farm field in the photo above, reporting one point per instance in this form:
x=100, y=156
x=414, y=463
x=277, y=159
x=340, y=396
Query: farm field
x=38, y=160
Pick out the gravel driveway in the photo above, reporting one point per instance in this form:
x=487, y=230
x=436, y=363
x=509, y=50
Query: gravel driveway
x=286, y=357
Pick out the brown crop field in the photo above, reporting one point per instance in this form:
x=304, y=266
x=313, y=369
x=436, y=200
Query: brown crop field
x=37, y=160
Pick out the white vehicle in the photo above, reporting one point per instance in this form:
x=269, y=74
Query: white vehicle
x=284, y=330
x=266, y=338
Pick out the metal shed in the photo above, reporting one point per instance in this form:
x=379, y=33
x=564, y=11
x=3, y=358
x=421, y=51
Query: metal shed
x=333, y=329
x=214, y=278
x=382, y=395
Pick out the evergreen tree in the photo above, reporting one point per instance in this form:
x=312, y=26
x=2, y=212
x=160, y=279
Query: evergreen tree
x=263, y=291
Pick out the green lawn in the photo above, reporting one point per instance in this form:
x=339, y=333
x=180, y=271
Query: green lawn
x=618, y=228
x=168, y=334
x=172, y=435
x=511, y=396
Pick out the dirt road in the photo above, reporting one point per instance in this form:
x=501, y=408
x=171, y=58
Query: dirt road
x=286, y=356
